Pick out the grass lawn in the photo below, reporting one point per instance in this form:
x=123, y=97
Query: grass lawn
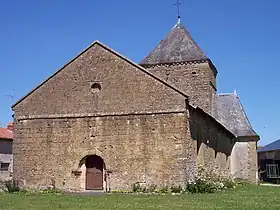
x=248, y=197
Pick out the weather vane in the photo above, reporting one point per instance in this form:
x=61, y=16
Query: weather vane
x=178, y=4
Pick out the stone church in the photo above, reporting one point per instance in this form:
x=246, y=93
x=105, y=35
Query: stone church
x=104, y=122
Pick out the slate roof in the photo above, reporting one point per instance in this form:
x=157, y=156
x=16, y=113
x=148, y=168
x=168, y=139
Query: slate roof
x=270, y=147
x=178, y=46
x=229, y=111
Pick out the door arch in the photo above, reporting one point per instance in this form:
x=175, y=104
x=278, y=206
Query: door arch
x=94, y=172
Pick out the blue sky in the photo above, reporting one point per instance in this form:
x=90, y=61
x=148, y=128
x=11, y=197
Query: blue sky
x=241, y=37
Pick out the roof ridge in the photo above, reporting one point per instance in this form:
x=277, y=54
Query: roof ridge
x=192, y=39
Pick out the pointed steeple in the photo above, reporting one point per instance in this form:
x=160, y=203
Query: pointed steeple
x=178, y=46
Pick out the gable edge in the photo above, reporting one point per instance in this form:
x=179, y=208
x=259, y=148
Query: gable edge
x=110, y=50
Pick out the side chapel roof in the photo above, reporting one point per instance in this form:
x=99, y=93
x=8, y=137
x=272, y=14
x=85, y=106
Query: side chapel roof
x=229, y=111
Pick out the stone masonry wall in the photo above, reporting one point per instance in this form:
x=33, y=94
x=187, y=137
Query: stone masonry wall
x=124, y=88
x=214, y=145
x=101, y=103
x=155, y=148
x=253, y=161
x=244, y=163
x=194, y=79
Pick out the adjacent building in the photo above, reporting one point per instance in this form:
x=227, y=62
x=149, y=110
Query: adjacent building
x=269, y=162
x=6, y=152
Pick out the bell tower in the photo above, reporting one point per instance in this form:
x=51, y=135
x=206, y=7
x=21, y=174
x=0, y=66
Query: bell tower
x=178, y=60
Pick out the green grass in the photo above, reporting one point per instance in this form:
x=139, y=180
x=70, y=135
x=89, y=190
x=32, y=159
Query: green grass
x=247, y=197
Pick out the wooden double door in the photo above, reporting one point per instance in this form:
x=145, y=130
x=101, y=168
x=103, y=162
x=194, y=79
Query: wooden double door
x=94, y=173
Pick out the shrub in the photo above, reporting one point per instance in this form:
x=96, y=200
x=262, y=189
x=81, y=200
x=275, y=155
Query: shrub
x=204, y=182
x=121, y=191
x=12, y=186
x=164, y=190
x=136, y=187
x=242, y=182
x=152, y=188
x=201, y=186
x=209, y=182
x=144, y=189
x=229, y=183
x=176, y=189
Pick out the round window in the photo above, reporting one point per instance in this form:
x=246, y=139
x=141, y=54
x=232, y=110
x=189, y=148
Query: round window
x=95, y=88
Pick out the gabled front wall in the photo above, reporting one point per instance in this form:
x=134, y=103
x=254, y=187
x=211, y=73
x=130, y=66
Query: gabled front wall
x=150, y=149
x=135, y=123
x=124, y=89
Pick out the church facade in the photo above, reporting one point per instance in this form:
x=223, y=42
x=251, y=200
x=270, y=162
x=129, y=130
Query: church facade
x=103, y=122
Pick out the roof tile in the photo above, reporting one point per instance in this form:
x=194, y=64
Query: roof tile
x=6, y=134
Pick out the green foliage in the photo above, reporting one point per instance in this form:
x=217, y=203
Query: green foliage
x=51, y=191
x=152, y=188
x=144, y=189
x=229, y=183
x=164, y=190
x=244, y=197
x=209, y=182
x=241, y=182
x=121, y=191
x=176, y=189
x=136, y=187
x=204, y=182
x=12, y=186
x=201, y=186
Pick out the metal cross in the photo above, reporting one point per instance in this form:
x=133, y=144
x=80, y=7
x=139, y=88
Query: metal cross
x=178, y=4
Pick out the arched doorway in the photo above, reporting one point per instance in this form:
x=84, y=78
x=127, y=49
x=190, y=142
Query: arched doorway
x=94, y=172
